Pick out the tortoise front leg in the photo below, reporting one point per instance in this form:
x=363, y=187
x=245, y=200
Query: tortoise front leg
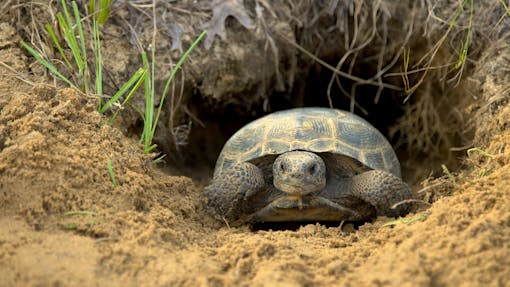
x=382, y=190
x=227, y=195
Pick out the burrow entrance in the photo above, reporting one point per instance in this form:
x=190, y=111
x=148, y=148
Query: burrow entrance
x=388, y=114
x=259, y=70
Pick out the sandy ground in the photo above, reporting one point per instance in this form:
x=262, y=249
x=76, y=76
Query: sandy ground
x=151, y=230
x=64, y=223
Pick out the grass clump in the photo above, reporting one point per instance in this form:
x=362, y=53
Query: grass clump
x=70, y=23
x=74, y=38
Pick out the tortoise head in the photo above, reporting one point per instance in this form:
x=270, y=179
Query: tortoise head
x=299, y=173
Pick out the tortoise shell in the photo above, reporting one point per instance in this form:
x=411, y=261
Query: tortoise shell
x=314, y=129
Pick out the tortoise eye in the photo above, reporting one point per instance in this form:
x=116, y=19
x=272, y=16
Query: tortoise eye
x=282, y=166
x=312, y=169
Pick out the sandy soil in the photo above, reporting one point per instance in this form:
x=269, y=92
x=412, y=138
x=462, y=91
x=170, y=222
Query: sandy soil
x=64, y=223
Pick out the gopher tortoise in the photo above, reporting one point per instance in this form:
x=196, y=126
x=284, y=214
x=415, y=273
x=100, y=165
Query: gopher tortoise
x=307, y=164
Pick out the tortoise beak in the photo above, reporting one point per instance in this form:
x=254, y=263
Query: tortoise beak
x=298, y=189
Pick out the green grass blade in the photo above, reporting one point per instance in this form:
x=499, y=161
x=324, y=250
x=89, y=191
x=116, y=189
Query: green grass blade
x=465, y=45
x=158, y=159
x=112, y=174
x=46, y=64
x=97, y=54
x=505, y=7
x=99, y=60
x=457, y=13
x=473, y=150
x=66, y=13
x=137, y=78
x=149, y=106
x=67, y=26
x=53, y=37
x=77, y=19
x=172, y=75
x=92, y=6
x=129, y=96
x=141, y=74
x=104, y=11
x=150, y=148
x=71, y=40
x=84, y=72
x=153, y=121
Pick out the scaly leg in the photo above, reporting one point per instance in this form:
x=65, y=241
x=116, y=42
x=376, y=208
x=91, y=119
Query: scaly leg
x=382, y=190
x=227, y=195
